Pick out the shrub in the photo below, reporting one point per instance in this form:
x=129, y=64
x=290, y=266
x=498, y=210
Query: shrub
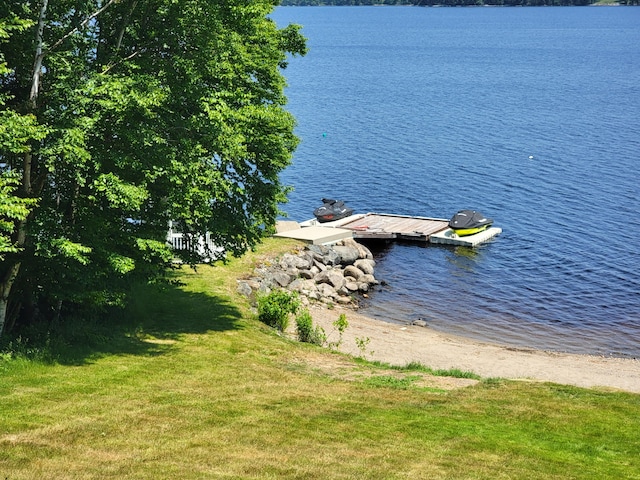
x=340, y=325
x=307, y=332
x=275, y=307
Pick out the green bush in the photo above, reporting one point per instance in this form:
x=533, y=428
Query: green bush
x=307, y=332
x=275, y=307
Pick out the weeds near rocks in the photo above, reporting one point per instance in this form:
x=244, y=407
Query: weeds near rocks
x=307, y=332
x=275, y=307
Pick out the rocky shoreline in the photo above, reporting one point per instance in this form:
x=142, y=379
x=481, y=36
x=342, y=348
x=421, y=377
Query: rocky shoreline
x=337, y=274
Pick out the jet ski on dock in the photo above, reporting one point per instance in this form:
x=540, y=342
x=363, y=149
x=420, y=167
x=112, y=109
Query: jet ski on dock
x=469, y=222
x=332, y=210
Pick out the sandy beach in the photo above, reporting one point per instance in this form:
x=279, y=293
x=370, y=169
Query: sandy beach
x=398, y=345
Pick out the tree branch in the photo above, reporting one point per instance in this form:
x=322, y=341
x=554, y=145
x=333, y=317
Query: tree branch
x=37, y=64
x=82, y=24
x=113, y=65
x=125, y=22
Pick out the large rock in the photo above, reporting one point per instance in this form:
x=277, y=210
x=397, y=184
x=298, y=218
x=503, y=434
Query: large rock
x=344, y=300
x=332, y=258
x=370, y=279
x=244, y=288
x=324, y=254
x=302, y=285
x=348, y=255
x=351, y=286
x=363, y=252
x=365, y=265
x=325, y=290
x=353, y=272
x=319, y=265
x=289, y=260
x=307, y=274
x=282, y=278
x=318, y=250
x=332, y=277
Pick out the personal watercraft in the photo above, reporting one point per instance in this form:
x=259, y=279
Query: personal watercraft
x=332, y=210
x=468, y=222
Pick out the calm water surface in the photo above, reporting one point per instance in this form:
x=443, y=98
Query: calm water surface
x=529, y=115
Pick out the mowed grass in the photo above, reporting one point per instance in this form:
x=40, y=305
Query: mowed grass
x=188, y=385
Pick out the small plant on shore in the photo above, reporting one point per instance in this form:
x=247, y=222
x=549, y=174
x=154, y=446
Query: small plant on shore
x=340, y=325
x=307, y=332
x=274, y=308
x=362, y=344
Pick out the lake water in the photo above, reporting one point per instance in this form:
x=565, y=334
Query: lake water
x=529, y=115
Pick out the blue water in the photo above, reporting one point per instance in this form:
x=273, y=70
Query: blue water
x=529, y=115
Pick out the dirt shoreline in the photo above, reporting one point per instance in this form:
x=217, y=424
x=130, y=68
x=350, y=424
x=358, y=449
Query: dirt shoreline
x=399, y=345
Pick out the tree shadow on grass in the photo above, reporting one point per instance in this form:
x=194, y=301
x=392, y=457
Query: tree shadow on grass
x=156, y=316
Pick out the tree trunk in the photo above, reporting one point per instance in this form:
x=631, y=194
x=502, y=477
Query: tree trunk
x=13, y=269
x=5, y=290
x=37, y=63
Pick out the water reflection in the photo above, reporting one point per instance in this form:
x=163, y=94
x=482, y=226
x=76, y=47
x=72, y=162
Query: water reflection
x=463, y=259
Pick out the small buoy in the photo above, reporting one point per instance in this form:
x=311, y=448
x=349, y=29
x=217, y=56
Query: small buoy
x=324, y=134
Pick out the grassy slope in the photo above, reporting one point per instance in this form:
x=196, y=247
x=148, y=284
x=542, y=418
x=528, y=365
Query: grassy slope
x=189, y=385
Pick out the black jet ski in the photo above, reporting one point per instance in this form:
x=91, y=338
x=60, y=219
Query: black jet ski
x=332, y=210
x=468, y=222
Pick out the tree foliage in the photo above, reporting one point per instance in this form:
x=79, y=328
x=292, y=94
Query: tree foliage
x=120, y=116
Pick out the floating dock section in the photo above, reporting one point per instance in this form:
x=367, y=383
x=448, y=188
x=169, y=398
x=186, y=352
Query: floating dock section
x=384, y=226
x=314, y=235
x=448, y=237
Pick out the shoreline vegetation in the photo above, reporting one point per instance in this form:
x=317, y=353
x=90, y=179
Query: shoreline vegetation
x=461, y=3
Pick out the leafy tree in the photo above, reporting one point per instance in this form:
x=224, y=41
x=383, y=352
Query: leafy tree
x=16, y=131
x=121, y=116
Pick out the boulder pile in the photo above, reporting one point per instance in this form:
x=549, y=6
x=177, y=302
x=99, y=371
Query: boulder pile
x=328, y=274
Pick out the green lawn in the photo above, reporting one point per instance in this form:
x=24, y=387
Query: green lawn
x=188, y=385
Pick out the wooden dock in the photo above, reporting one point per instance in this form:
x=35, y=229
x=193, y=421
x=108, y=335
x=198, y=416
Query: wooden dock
x=394, y=227
x=387, y=227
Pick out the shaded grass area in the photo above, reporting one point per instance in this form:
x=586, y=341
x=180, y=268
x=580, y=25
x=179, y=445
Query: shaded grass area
x=187, y=384
x=157, y=311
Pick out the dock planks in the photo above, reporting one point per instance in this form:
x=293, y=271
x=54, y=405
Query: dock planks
x=388, y=226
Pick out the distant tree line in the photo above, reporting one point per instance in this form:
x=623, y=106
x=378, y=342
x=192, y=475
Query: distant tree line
x=451, y=3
